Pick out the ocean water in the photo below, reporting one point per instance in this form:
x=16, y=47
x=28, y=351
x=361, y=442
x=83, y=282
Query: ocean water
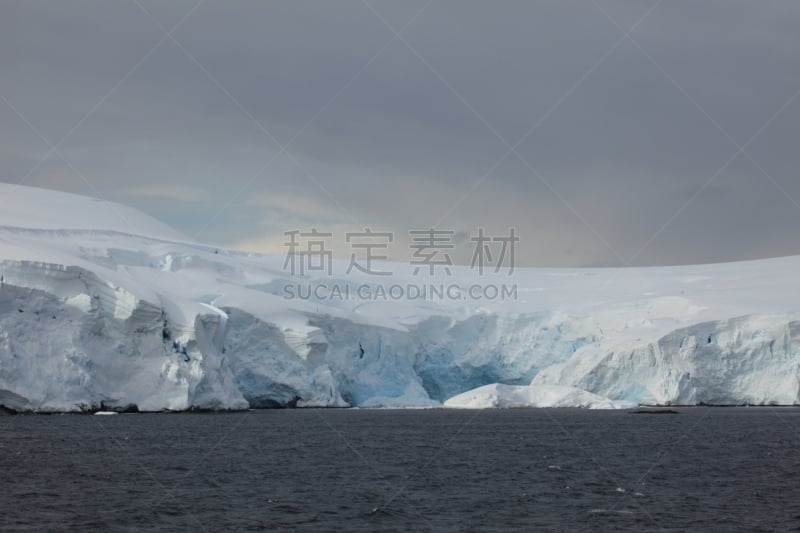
x=703, y=469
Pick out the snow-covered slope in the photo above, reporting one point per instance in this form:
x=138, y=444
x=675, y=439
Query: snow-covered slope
x=100, y=304
x=44, y=209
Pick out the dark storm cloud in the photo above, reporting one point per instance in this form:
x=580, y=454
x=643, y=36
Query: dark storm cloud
x=406, y=132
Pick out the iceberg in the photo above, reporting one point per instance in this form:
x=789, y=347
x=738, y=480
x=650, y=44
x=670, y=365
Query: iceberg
x=104, y=308
x=502, y=396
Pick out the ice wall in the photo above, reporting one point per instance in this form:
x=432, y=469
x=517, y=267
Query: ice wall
x=95, y=313
x=69, y=340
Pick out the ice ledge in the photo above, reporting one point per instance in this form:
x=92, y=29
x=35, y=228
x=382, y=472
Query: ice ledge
x=499, y=396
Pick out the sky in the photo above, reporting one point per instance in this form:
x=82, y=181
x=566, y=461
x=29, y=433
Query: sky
x=607, y=133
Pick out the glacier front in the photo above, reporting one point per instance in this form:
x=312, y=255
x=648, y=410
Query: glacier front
x=103, y=307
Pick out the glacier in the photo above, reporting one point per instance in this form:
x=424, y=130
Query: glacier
x=104, y=308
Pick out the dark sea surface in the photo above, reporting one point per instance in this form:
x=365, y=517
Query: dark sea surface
x=704, y=469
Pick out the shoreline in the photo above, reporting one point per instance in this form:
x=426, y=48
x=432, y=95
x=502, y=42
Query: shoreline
x=641, y=409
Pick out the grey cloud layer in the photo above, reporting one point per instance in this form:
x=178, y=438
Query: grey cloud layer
x=402, y=144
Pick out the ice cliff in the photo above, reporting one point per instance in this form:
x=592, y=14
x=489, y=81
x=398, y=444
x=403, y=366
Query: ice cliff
x=101, y=305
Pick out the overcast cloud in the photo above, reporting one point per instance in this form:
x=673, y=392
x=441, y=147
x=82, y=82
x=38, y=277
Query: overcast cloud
x=255, y=118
